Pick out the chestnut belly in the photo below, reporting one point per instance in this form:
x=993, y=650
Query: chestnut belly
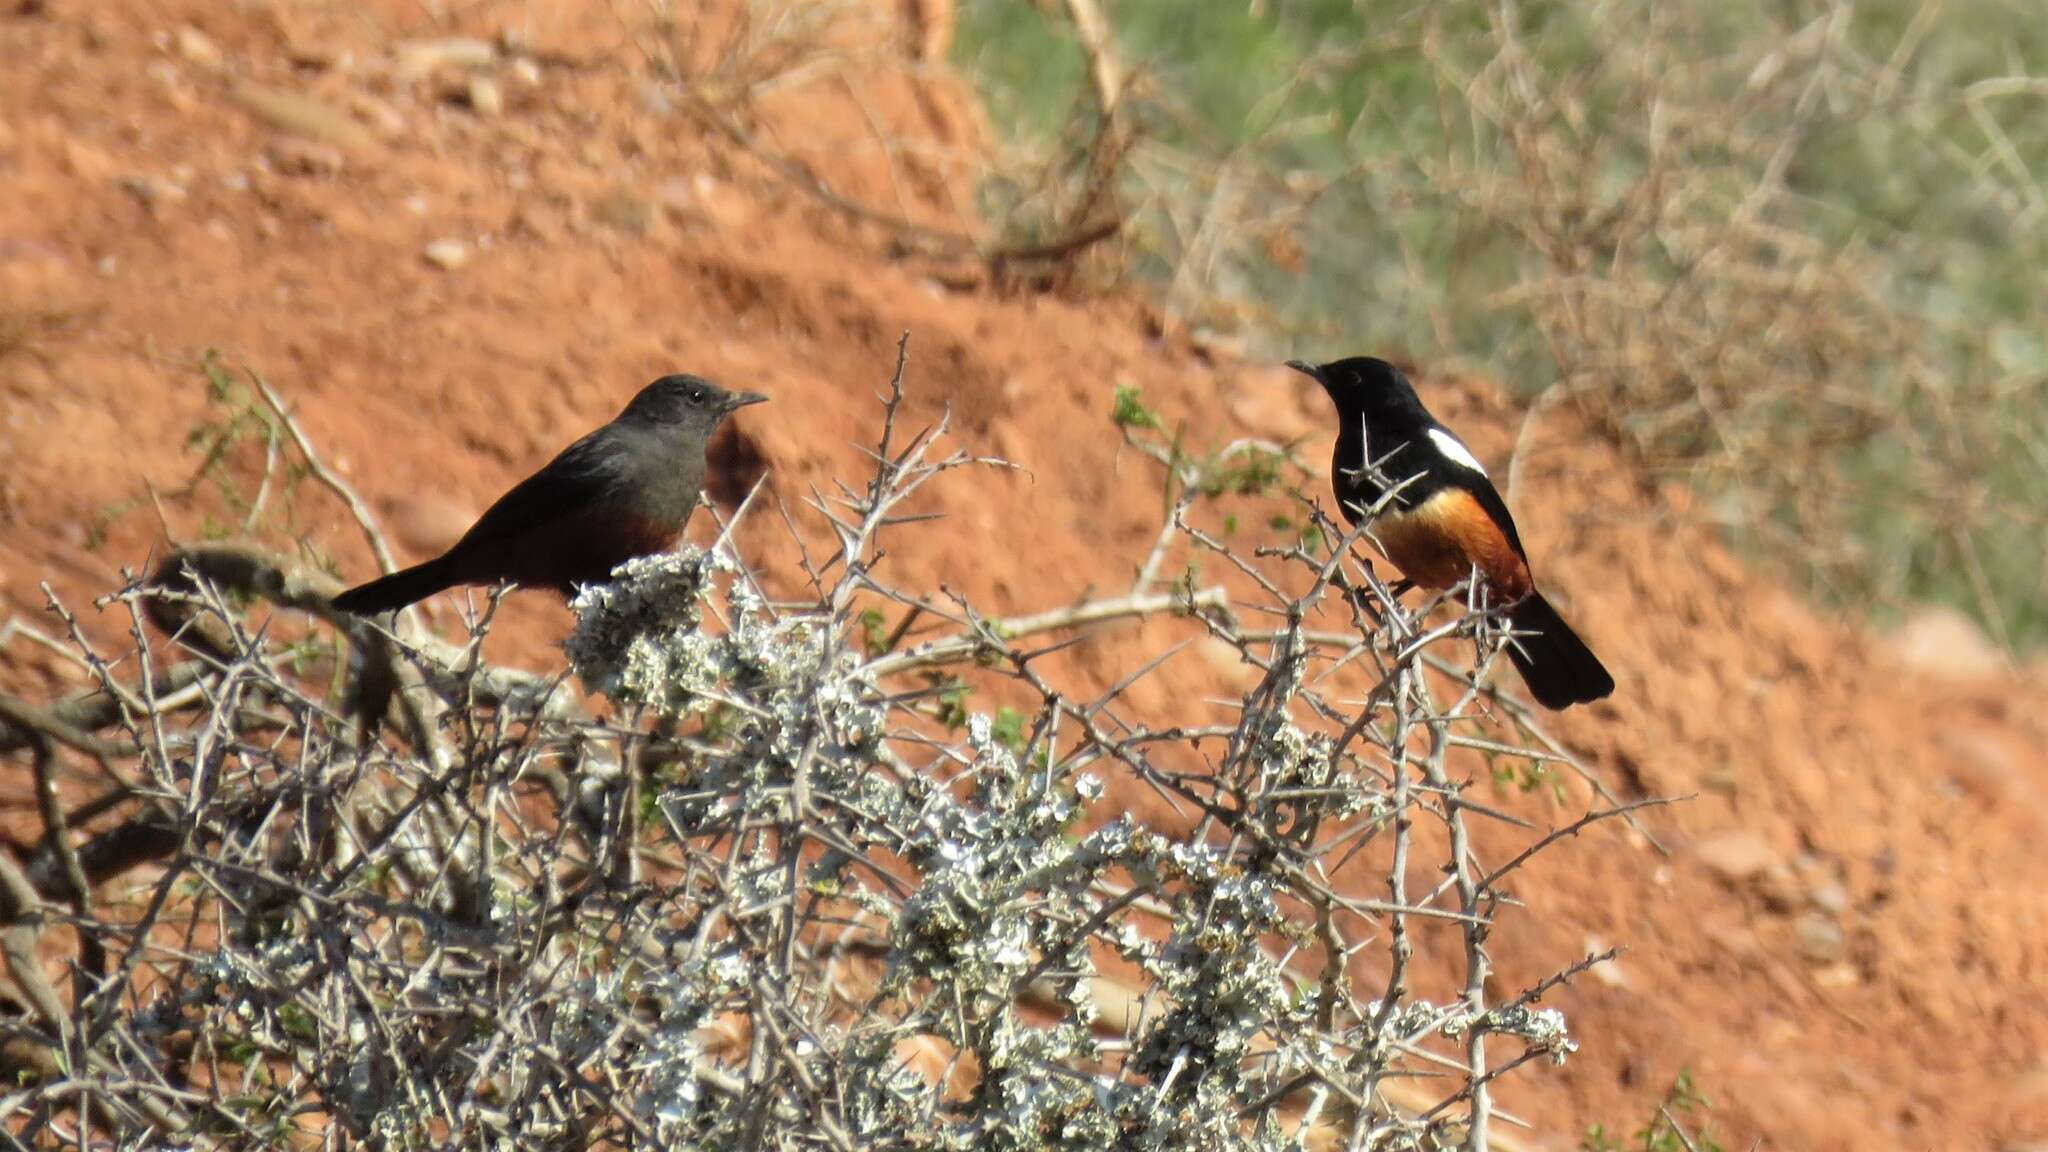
x=1439, y=541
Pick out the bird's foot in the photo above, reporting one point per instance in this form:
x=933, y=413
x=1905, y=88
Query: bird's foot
x=1364, y=599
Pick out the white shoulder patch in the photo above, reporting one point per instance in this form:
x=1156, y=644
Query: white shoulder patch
x=1455, y=450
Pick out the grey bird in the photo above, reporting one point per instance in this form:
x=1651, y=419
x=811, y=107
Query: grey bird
x=625, y=490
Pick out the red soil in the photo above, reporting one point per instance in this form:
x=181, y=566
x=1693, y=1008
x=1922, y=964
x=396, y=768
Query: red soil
x=1849, y=943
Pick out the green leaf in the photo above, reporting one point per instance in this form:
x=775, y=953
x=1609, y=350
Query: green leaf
x=1130, y=411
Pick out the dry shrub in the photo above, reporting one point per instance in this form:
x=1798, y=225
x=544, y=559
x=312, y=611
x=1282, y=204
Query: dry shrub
x=802, y=888
x=732, y=54
x=1682, y=290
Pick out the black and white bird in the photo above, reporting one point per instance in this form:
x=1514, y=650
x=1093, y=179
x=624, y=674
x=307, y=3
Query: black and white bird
x=1446, y=520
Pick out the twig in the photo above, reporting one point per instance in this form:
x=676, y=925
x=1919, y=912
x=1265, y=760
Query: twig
x=357, y=509
x=999, y=631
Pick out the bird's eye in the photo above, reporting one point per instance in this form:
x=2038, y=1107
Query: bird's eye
x=696, y=395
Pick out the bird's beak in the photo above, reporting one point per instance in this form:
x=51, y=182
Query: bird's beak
x=739, y=400
x=1306, y=369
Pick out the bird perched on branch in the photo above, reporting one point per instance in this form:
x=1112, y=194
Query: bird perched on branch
x=623, y=491
x=1445, y=519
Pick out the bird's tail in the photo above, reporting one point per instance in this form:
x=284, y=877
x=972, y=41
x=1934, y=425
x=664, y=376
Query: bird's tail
x=1556, y=665
x=399, y=589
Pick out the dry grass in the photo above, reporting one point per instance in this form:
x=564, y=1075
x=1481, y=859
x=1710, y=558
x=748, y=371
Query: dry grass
x=738, y=71
x=1689, y=301
x=1800, y=261
x=732, y=54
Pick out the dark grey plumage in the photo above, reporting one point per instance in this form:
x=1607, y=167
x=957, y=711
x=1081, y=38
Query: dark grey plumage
x=624, y=490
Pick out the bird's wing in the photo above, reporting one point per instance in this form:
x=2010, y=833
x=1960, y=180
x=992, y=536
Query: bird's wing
x=1463, y=470
x=1496, y=508
x=582, y=475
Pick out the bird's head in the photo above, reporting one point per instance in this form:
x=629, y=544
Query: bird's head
x=1362, y=385
x=686, y=401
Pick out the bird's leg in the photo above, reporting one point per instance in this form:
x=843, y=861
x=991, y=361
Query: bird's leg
x=1362, y=598
x=1355, y=596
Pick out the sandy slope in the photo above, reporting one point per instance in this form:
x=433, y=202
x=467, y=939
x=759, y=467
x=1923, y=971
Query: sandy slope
x=1849, y=943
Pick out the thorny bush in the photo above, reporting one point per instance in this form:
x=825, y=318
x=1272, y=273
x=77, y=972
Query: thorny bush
x=797, y=891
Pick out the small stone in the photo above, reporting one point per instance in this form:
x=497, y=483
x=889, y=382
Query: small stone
x=1944, y=644
x=1820, y=938
x=383, y=119
x=1722, y=779
x=419, y=59
x=305, y=158
x=317, y=57
x=1736, y=856
x=151, y=190
x=486, y=99
x=526, y=72
x=1840, y=974
x=196, y=47
x=1829, y=896
x=303, y=115
x=1779, y=889
x=721, y=205
x=447, y=254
